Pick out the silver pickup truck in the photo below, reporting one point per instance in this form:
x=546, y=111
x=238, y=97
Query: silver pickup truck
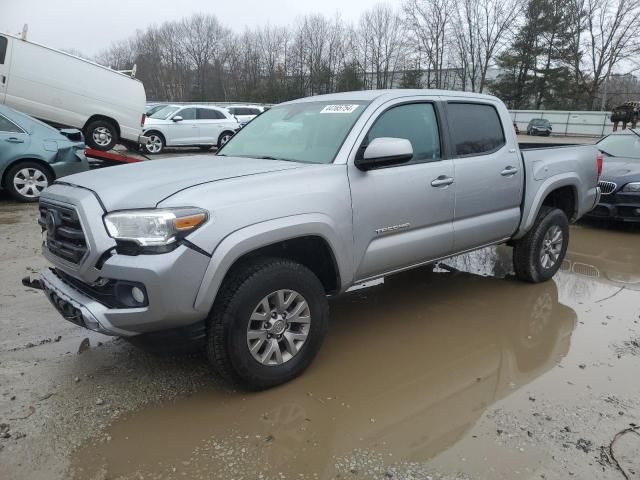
x=241, y=250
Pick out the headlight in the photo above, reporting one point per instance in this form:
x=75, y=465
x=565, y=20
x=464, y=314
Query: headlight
x=632, y=187
x=153, y=228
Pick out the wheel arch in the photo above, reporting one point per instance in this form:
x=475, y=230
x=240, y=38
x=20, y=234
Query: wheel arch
x=310, y=241
x=559, y=191
x=10, y=165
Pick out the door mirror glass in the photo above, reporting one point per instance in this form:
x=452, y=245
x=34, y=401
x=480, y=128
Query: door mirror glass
x=177, y=118
x=384, y=152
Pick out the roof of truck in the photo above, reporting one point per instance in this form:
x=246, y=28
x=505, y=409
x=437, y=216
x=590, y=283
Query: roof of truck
x=389, y=94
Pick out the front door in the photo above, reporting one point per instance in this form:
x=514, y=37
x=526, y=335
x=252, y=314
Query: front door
x=402, y=215
x=5, y=61
x=489, y=176
x=185, y=131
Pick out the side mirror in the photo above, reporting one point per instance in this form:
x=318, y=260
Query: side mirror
x=177, y=118
x=384, y=152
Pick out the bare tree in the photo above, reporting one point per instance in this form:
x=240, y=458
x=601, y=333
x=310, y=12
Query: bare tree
x=430, y=23
x=613, y=39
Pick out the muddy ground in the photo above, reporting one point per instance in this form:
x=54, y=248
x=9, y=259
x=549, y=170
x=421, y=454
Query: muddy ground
x=459, y=372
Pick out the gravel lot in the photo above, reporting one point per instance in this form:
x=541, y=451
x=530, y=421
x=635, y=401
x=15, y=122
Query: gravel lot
x=459, y=372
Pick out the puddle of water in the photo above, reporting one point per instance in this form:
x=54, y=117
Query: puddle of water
x=409, y=368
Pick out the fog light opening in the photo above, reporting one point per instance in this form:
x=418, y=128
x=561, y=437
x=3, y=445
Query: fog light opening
x=138, y=295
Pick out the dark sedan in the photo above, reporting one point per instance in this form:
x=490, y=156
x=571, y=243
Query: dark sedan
x=620, y=181
x=539, y=126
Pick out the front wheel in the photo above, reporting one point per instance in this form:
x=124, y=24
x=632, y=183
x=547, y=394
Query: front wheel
x=25, y=181
x=101, y=135
x=539, y=254
x=155, y=143
x=267, y=323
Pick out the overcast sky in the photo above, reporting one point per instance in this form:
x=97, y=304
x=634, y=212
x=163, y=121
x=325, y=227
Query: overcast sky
x=90, y=25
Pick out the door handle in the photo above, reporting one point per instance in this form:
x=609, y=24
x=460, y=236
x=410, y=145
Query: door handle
x=14, y=140
x=509, y=171
x=442, y=181
x=3, y=78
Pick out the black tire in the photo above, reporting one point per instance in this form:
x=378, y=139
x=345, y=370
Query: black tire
x=527, y=251
x=36, y=171
x=101, y=135
x=245, y=287
x=224, y=138
x=155, y=143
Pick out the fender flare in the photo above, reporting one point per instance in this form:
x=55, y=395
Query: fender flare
x=253, y=237
x=545, y=188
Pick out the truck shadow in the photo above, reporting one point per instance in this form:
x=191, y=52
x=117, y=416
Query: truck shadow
x=408, y=369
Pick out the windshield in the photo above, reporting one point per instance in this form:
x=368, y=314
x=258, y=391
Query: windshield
x=539, y=121
x=310, y=132
x=621, y=146
x=164, y=112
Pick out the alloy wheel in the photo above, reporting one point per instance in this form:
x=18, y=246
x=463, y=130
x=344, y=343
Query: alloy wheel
x=278, y=327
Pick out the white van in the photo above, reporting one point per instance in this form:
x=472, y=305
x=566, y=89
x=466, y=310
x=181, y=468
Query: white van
x=67, y=91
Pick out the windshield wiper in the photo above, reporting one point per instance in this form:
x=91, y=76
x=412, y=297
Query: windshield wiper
x=606, y=153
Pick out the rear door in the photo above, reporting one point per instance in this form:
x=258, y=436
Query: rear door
x=186, y=131
x=488, y=174
x=5, y=61
x=211, y=123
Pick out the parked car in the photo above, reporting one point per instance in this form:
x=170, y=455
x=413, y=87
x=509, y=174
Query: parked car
x=202, y=126
x=67, y=91
x=620, y=182
x=33, y=154
x=539, y=126
x=245, y=113
x=153, y=108
x=310, y=199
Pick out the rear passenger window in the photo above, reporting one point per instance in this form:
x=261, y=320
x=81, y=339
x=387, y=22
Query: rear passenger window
x=210, y=114
x=417, y=123
x=475, y=128
x=7, y=126
x=3, y=49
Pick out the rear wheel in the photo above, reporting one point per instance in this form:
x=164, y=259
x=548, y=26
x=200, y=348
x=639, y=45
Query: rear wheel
x=224, y=138
x=540, y=253
x=101, y=135
x=267, y=324
x=25, y=181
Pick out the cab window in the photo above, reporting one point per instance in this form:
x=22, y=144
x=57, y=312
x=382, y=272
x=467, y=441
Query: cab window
x=8, y=126
x=3, y=49
x=417, y=123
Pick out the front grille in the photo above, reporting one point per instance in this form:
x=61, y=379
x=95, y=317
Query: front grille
x=607, y=188
x=65, y=237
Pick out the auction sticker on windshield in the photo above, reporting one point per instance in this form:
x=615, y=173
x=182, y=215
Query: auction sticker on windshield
x=339, y=109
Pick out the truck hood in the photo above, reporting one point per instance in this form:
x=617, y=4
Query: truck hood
x=145, y=184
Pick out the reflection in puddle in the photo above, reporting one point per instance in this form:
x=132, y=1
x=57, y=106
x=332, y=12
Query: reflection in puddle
x=407, y=370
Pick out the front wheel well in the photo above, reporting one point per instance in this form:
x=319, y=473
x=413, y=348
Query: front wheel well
x=563, y=198
x=311, y=251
